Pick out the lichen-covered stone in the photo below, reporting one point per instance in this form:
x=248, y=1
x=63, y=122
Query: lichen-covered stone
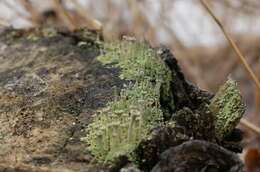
x=228, y=108
x=51, y=84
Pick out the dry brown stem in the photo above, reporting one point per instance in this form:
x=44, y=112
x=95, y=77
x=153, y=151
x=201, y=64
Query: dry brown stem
x=241, y=59
x=249, y=125
x=233, y=44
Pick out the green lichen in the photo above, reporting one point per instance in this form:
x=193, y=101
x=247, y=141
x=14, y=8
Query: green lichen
x=118, y=128
x=228, y=108
x=137, y=61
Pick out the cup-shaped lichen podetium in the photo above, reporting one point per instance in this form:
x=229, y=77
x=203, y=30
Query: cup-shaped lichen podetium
x=119, y=127
x=228, y=108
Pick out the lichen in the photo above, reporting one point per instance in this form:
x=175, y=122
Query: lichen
x=228, y=108
x=117, y=129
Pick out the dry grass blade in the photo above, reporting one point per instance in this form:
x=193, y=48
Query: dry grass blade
x=28, y=6
x=251, y=126
x=233, y=44
x=240, y=57
x=65, y=16
x=92, y=23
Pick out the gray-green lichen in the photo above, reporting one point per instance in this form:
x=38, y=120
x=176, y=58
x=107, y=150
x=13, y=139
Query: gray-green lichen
x=118, y=128
x=228, y=108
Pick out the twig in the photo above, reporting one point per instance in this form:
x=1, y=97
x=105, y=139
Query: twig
x=232, y=43
x=249, y=125
x=65, y=16
x=83, y=13
x=34, y=15
x=243, y=121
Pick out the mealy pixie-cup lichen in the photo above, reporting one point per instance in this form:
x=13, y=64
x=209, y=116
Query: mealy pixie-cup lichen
x=118, y=128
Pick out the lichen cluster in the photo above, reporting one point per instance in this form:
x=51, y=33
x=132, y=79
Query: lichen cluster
x=228, y=108
x=118, y=128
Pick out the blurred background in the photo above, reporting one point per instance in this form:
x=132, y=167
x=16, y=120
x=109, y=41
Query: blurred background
x=183, y=25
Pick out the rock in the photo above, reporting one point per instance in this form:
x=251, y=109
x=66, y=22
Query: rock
x=198, y=156
x=53, y=87
x=49, y=89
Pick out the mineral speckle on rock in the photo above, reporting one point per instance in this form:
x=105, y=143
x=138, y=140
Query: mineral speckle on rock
x=49, y=88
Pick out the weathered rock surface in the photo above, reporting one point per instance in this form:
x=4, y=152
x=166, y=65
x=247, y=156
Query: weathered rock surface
x=50, y=85
x=198, y=156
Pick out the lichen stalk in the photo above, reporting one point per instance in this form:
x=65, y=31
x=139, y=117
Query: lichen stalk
x=227, y=107
x=137, y=108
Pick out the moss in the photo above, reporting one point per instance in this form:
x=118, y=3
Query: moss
x=228, y=108
x=117, y=129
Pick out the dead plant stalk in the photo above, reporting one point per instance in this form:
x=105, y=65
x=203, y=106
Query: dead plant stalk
x=240, y=57
x=233, y=44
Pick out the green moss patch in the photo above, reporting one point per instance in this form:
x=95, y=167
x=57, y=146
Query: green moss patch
x=117, y=129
